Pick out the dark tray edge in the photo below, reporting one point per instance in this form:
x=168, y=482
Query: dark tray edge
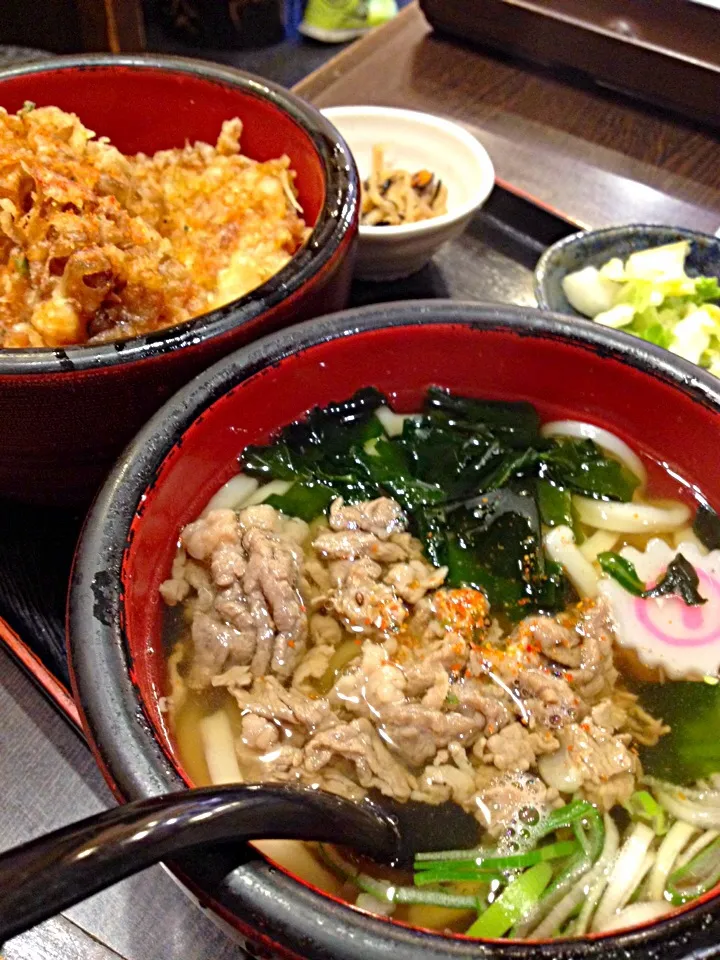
x=55, y=691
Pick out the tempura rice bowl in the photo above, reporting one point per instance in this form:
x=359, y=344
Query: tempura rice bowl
x=67, y=411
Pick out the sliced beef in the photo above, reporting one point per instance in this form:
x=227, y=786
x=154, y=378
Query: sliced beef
x=339, y=783
x=325, y=630
x=261, y=517
x=437, y=693
x=416, y=732
x=609, y=715
x=413, y=579
x=515, y=748
x=202, y=537
x=361, y=603
x=359, y=743
x=283, y=764
x=259, y=734
x=234, y=677
x=546, y=701
x=593, y=760
x=422, y=662
x=436, y=705
x=487, y=698
x=370, y=683
x=214, y=643
x=411, y=547
x=444, y=781
x=316, y=577
x=351, y=544
x=312, y=667
x=176, y=588
x=241, y=574
x=576, y=647
x=271, y=583
x=381, y=517
x=557, y=642
x=188, y=576
x=360, y=569
x=269, y=699
x=596, y=675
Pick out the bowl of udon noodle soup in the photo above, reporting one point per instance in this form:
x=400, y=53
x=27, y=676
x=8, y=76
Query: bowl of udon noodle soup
x=156, y=213
x=429, y=553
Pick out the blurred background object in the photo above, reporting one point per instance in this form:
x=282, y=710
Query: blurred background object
x=336, y=21
x=190, y=27
x=224, y=24
x=72, y=26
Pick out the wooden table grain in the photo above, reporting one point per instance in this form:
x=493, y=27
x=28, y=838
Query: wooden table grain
x=49, y=778
x=592, y=154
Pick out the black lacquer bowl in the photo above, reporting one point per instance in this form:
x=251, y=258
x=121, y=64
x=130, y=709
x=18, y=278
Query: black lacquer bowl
x=189, y=449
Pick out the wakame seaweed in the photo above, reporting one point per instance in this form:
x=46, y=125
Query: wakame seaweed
x=680, y=578
x=475, y=477
x=707, y=527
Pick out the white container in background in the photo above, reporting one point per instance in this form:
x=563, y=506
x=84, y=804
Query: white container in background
x=414, y=141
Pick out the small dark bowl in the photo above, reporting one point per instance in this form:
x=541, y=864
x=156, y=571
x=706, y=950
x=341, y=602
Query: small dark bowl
x=593, y=248
x=65, y=414
x=568, y=368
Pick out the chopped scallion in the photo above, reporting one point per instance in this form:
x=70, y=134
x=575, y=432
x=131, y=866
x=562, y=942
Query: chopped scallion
x=643, y=806
x=516, y=900
x=697, y=876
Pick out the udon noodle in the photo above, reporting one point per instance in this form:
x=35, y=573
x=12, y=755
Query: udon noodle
x=462, y=605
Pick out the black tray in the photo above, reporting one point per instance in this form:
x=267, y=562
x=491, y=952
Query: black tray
x=493, y=260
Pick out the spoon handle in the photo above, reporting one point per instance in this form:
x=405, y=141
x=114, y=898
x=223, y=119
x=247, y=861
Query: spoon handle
x=46, y=875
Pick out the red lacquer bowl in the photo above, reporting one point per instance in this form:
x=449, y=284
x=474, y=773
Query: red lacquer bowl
x=65, y=414
x=657, y=402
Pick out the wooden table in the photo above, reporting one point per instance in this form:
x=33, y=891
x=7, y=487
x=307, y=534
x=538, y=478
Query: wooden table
x=596, y=158
x=49, y=778
x=591, y=154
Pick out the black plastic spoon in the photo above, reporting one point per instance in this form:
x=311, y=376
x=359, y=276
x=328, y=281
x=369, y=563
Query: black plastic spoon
x=46, y=875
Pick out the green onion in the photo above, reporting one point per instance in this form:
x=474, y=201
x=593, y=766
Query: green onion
x=643, y=806
x=680, y=578
x=621, y=570
x=385, y=891
x=516, y=900
x=433, y=898
x=443, y=855
x=469, y=868
x=577, y=812
x=430, y=878
x=388, y=892
x=339, y=866
x=572, y=813
x=697, y=876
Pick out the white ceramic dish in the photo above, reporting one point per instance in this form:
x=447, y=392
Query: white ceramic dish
x=414, y=141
